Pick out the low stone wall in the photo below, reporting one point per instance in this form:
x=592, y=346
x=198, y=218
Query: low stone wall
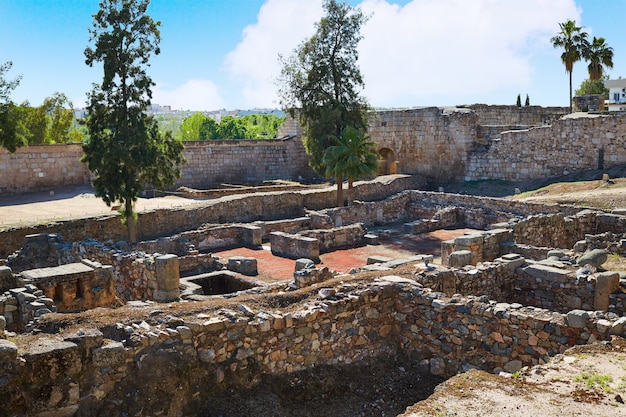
x=86, y=374
x=338, y=237
x=234, y=209
x=294, y=246
x=513, y=115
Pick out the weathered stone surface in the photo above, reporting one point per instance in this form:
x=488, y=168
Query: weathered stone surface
x=111, y=354
x=577, y=318
x=460, y=258
x=595, y=258
x=8, y=351
x=606, y=283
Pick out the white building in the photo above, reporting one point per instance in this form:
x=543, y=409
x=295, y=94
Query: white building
x=617, y=95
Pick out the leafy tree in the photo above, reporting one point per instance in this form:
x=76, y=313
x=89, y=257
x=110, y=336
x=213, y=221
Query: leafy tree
x=125, y=150
x=572, y=39
x=518, y=102
x=595, y=87
x=353, y=156
x=60, y=117
x=12, y=133
x=232, y=128
x=599, y=55
x=320, y=81
x=527, y=102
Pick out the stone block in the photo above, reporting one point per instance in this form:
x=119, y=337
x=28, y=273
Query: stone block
x=577, y=318
x=460, y=258
x=167, y=273
x=547, y=273
x=109, y=355
x=594, y=258
x=377, y=259
x=304, y=263
x=371, y=239
x=606, y=283
x=243, y=265
x=8, y=351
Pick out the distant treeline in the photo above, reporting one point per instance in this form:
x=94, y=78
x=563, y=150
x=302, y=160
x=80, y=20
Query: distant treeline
x=201, y=127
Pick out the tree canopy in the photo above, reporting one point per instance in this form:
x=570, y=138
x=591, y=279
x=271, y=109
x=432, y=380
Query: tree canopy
x=12, y=134
x=353, y=156
x=599, y=55
x=573, y=40
x=320, y=82
x=252, y=126
x=125, y=150
x=595, y=87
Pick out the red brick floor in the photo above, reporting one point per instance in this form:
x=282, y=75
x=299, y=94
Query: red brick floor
x=273, y=268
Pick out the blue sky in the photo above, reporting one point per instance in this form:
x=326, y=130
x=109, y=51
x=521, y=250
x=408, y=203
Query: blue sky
x=223, y=53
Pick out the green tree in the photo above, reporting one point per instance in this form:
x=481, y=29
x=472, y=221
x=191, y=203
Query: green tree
x=599, y=55
x=190, y=128
x=573, y=40
x=60, y=116
x=518, y=102
x=12, y=133
x=527, y=102
x=353, y=156
x=232, y=128
x=125, y=150
x=595, y=87
x=320, y=82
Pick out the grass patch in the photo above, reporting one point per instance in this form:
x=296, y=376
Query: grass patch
x=596, y=381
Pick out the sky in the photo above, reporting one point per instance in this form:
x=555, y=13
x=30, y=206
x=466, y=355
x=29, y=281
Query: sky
x=223, y=54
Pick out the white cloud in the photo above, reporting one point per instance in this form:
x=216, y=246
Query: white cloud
x=425, y=52
x=281, y=26
x=429, y=50
x=193, y=95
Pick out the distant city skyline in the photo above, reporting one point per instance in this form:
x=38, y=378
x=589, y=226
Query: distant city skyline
x=223, y=54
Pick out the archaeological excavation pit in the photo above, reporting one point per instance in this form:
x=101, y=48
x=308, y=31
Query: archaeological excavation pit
x=215, y=283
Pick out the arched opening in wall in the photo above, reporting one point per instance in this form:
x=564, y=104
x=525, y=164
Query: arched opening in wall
x=388, y=163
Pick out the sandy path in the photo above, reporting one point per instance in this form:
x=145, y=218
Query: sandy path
x=70, y=203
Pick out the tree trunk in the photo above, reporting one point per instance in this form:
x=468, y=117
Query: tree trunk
x=350, y=191
x=340, y=192
x=130, y=221
x=570, y=92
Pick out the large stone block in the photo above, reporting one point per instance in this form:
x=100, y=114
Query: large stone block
x=167, y=272
x=606, y=283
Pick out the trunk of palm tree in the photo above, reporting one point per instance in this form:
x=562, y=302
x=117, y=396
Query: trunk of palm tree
x=350, y=191
x=130, y=220
x=570, y=92
x=340, y=192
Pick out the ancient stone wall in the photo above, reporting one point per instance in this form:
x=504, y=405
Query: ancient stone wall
x=244, y=208
x=41, y=167
x=178, y=364
x=489, y=115
x=210, y=163
x=428, y=141
x=566, y=146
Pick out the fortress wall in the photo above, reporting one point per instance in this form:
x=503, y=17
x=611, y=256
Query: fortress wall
x=41, y=167
x=427, y=141
x=210, y=163
x=568, y=145
x=512, y=115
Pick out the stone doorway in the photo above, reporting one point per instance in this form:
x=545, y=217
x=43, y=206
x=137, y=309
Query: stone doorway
x=387, y=164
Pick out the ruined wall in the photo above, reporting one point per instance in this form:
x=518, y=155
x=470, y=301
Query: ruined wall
x=242, y=208
x=566, y=146
x=41, y=167
x=210, y=163
x=428, y=141
x=175, y=367
x=512, y=115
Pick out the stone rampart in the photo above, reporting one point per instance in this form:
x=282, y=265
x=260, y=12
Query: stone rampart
x=210, y=163
x=41, y=167
x=88, y=374
x=493, y=115
x=566, y=146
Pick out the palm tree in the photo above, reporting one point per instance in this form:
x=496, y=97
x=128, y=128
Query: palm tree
x=353, y=156
x=573, y=40
x=599, y=55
